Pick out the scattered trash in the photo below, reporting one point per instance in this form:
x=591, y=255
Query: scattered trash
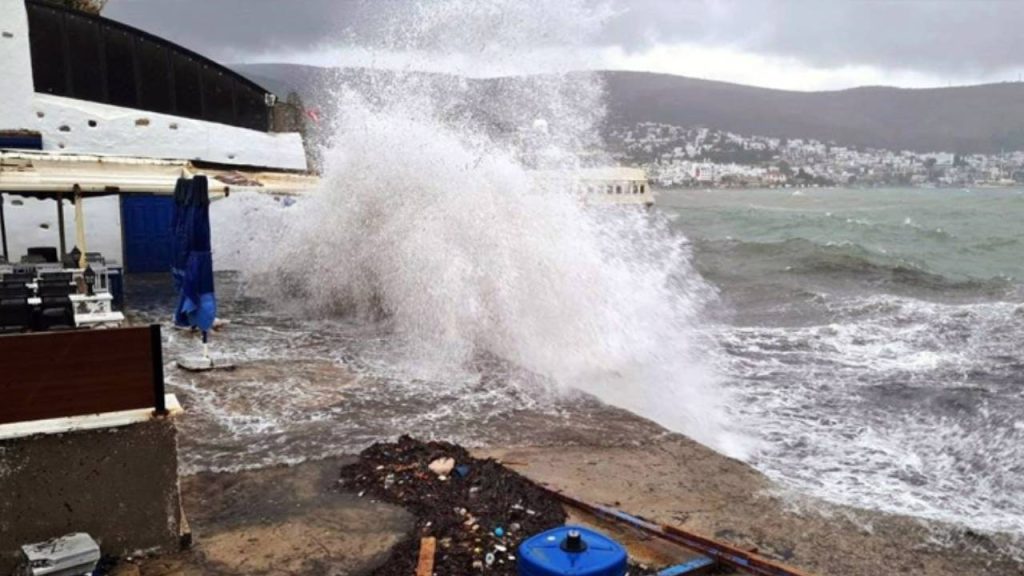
x=75, y=553
x=461, y=513
x=499, y=532
x=462, y=470
x=442, y=466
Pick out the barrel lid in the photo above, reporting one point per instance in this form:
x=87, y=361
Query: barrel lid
x=547, y=555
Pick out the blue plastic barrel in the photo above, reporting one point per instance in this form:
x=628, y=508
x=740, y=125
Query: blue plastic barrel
x=571, y=550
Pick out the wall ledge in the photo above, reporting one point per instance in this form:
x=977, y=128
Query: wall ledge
x=88, y=422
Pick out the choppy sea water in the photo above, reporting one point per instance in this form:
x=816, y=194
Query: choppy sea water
x=875, y=339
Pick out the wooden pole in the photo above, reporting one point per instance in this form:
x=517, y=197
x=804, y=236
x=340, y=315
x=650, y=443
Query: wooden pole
x=721, y=552
x=80, y=228
x=425, y=566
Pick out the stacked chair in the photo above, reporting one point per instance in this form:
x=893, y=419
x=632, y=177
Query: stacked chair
x=43, y=254
x=54, y=310
x=16, y=314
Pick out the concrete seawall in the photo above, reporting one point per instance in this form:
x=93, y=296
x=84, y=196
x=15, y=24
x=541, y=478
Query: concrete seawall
x=120, y=485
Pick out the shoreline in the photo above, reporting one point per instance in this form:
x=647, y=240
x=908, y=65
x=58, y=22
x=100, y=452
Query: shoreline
x=893, y=186
x=288, y=519
x=677, y=481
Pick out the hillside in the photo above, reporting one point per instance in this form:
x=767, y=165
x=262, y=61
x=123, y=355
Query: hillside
x=973, y=119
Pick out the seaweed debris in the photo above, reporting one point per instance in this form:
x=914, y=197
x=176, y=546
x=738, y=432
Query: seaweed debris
x=478, y=510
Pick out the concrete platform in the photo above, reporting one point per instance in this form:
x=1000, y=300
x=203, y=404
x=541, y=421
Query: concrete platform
x=280, y=520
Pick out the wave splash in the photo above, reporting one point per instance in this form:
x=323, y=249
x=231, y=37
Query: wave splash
x=434, y=221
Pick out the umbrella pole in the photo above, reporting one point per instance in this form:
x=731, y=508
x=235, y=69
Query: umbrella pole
x=60, y=225
x=3, y=229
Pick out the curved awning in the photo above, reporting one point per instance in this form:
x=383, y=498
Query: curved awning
x=47, y=175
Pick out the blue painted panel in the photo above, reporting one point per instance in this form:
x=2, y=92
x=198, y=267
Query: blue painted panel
x=688, y=567
x=146, y=225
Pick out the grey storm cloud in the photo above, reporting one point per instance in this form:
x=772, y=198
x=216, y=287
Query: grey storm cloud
x=937, y=36
x=926, y=35
x=236, y=28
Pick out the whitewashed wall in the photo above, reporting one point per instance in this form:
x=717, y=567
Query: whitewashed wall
x=233, y=223
x=81, y=127
x=34, y=223
x=16, y=89
x=78, y=126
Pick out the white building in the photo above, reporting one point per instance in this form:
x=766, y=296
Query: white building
x=91, y=108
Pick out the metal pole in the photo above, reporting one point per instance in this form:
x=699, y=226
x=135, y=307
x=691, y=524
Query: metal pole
x=736, y=558
x=60, y=224
x=3, y=229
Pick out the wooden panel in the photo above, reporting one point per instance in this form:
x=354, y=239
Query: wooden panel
x=56, y=374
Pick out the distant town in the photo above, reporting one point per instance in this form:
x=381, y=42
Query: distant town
x=701, y=157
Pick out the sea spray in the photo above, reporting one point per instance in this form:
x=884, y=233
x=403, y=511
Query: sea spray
x=431, y=217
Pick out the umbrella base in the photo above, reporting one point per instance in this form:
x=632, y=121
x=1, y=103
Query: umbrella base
x=218, y=324
x=203, y=364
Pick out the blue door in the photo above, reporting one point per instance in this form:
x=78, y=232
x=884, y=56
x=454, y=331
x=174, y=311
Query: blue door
x=146, y=228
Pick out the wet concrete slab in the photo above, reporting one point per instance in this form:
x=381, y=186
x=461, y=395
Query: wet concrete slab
x=276, y=521
x=680, y=482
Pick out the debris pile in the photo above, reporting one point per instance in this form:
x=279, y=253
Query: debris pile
x=477, y=511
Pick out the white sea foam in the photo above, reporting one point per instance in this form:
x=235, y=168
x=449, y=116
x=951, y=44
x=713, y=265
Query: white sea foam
x=895, y=406
x=435, y=222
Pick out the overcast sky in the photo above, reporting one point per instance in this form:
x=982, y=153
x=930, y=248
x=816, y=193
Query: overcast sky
x=800, y=45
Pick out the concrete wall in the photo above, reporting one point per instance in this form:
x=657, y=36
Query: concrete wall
x=17, y=88
x=120, y=485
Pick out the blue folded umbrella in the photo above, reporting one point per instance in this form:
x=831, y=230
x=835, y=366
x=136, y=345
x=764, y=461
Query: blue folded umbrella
x=192, y=266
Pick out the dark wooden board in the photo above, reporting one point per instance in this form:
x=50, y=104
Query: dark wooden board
x=57, y=374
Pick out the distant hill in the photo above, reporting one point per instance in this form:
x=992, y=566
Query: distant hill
x=972, y=119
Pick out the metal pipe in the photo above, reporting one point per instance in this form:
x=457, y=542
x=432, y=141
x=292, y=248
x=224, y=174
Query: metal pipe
x=742, y=560
x=60, y=225
x=3, y=229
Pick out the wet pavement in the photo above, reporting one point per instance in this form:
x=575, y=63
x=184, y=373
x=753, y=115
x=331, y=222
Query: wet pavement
x=308, y=388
